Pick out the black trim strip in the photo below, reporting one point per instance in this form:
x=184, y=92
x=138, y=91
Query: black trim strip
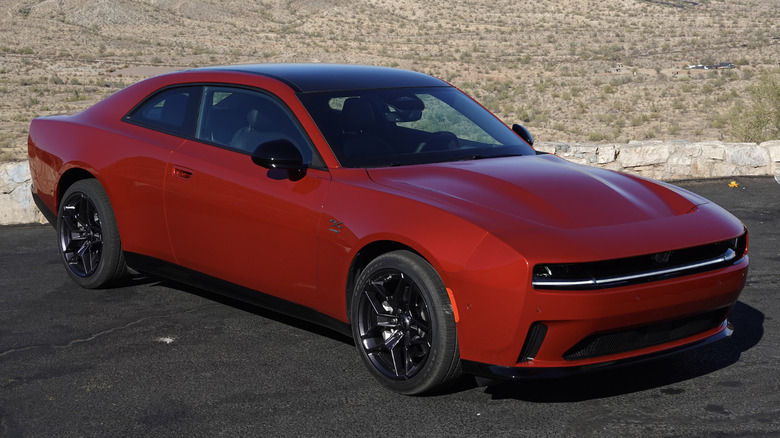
x=161, y=268
x=525, y=373
x=48, y=214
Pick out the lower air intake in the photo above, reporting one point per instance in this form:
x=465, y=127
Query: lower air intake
x=604, y=344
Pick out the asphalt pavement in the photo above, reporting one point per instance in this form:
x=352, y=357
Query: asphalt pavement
x=155, y=358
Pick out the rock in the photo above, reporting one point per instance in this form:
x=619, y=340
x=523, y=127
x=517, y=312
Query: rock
x=16, y=204
x=773, y=147
x=548, y=147
x=713, y=151
x=747, y=155
x=607, y=154
x=641, y=154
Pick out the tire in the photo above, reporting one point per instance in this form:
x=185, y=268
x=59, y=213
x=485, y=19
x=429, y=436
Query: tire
x=403, y=324
x=88, y=236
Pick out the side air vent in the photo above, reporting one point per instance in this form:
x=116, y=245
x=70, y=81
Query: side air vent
x=533, y=342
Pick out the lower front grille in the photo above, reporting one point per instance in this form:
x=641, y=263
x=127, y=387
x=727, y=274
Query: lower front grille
x=636, y=338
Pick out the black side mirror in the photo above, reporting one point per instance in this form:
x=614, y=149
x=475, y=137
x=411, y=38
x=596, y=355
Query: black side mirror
x=279, y=154
x=524, y=133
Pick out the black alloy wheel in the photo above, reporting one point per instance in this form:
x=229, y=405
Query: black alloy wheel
x=394, y=325
x=88, y=236
x=403, y=324
x=81, y=235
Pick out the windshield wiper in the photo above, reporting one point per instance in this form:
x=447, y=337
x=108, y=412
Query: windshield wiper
x=483, y=157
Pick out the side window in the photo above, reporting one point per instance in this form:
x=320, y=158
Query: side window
x=242, y=120
x=173, y=110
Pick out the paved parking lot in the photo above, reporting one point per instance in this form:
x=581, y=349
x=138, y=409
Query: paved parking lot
x=154, y=358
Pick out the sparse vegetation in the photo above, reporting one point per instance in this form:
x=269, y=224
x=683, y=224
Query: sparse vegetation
x=614, y=71
x=760, y=121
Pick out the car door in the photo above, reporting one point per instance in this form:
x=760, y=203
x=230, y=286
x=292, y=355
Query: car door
x=154, y=128
x=234, y=220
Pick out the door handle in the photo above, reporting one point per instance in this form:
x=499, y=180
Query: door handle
x=182, y=173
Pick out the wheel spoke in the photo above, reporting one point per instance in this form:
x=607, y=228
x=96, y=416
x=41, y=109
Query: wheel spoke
x=69, y=221
x=83, y=256
x=83, y=210
x=74, y=244
x=379, y=287
x=398, y=354
x=377, y=344
x=419, y=318
x=372, y=348
x=93, y=257
x=418, y=326
x=376, y=305
x=394, y=340
x=73, y=239
x=72, y=258
x=398, y=297
x=372, y=334
x=420, y=344
x=389, y=321
x=411, y=359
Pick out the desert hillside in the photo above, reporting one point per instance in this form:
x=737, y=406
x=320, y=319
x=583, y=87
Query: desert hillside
x=613, y=70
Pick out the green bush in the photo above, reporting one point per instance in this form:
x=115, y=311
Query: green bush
x=760, y=121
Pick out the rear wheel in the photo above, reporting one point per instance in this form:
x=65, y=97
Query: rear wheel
x=88, y=236
x=403, y=324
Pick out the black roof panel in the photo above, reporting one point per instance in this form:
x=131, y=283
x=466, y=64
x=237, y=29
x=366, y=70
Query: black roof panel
x=331, y=77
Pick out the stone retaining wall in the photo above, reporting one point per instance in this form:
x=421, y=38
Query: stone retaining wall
x=664, y=160
x=675, y=160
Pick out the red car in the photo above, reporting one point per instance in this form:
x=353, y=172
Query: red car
x=388, y=205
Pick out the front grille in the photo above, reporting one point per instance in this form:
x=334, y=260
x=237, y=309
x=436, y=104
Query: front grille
x=640, y=269
x=604, y=344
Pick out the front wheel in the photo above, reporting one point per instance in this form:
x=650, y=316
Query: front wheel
x=88, y=236
x=403, y=324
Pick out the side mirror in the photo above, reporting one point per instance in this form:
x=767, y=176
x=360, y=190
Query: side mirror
x=524, y=133
x=279, y=154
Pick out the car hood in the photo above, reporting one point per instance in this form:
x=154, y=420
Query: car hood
x=544, y=190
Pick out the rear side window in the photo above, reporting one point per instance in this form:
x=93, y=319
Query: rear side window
x=173, y=110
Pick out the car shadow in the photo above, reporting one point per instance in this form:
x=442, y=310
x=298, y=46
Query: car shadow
x=253, y=309
x=747, y=320
x=132, y=280
x=749, y=330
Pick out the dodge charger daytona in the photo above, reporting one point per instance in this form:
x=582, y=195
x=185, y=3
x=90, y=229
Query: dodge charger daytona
x=388, y=205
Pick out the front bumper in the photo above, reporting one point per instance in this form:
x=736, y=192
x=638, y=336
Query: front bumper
x=575, y=330
x=522, y=373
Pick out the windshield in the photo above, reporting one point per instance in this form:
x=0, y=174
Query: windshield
x=394, y=127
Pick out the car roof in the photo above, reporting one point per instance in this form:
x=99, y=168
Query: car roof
x=304, y=78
